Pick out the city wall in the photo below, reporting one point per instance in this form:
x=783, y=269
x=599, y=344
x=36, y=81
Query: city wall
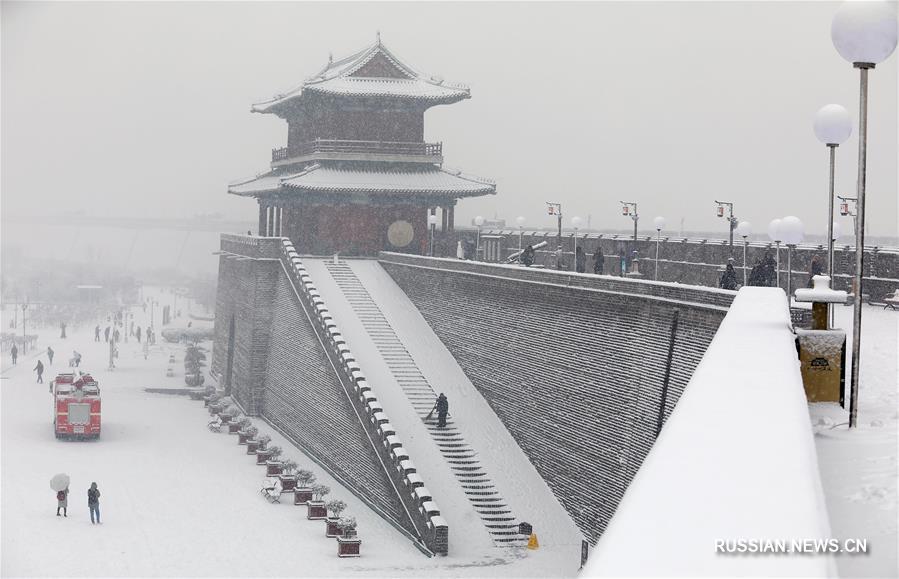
x=581, y=369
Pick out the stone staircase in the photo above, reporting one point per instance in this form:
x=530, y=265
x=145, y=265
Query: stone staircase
x=497, y=517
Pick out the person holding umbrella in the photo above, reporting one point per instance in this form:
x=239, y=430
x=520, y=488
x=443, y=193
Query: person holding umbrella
x=60, y=484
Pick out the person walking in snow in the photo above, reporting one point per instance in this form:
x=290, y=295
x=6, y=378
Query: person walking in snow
x=598, y=260
x=50, y=353
x=729, y=279
x=40, y=372
x=76, y=359
x=93, y=502
x=14, y=352
x=442, y=406
x=137, y=334
x=97, y=333
x=62, y=501
x=580, y=260
x=106, y=334
x=62, y=330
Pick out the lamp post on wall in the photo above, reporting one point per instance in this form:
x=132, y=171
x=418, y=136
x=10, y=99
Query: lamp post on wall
x=791, y=231
x=635, y=216
x=865, y=34
x=576, y=224
x=659, y=223
x=432, y=223
x=479, y=221
x=832, y=127
x=520, y=221
x=774, y=235
x=731, y=220
x=744, y=230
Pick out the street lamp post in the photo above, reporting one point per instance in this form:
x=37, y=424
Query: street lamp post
x=865, y=34
x=520, y=221
x=635, y=216
x=659, y=223
x=836, y=231
x=432, y=223
x=847, y=211
x=576, y=224
x=791, y=231
x=774, y=235
x=731, y=220
x=479, y=221
x=832, y=127
x=24, y=339
x=744, y=230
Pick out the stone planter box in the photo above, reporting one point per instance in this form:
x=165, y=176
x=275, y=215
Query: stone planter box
x=262, y=456
x=302, y=495
x=316, y=511
x=273, y=467
x=195, y=395
x=215, y=409
x=331, y=528
x=252, y=446
x=348, y=547
x=242, y=437
x=288, y=482
x=226, y=418
x=233, y=428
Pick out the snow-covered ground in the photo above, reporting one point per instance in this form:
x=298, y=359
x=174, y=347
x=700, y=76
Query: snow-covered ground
x=177, y=500
x=858, y=467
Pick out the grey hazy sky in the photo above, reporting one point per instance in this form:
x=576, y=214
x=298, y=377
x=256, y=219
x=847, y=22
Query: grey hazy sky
x=143, y=108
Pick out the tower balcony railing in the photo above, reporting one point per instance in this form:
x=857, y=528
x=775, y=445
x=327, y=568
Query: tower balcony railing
x=350, y=149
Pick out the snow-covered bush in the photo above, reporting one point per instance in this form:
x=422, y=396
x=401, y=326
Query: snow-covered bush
x=319, y=491
x=305, y=477
x=243, y=422
x=348, y=526
x=289, y=467
x=264, y=440
x=251, y=431
x=274, y=451
x=335, y=507
x=231, y=410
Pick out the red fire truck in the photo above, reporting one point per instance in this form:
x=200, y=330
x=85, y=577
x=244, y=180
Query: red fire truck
x=76, y=406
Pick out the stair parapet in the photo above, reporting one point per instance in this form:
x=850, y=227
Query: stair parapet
x=433, y=531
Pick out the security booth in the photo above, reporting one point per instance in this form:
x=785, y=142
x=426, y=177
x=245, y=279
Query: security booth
x=822, y=350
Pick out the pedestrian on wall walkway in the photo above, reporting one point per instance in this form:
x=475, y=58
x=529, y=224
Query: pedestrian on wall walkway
x=14, y=352
x=442, y=407
x=40, y=372
x=50, y=353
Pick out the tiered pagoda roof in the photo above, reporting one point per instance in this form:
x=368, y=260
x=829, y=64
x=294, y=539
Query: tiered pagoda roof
x=371, y=72
x=429, y=181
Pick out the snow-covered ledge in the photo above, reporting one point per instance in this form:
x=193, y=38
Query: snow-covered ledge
x=735, y=461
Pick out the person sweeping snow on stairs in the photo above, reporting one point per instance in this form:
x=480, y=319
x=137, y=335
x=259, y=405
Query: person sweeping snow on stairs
x=442, y=408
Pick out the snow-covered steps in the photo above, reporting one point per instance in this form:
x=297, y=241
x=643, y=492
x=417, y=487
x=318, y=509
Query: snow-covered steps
x=462, y=459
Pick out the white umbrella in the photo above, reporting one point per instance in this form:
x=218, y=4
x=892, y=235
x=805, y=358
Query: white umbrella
x=59, y=482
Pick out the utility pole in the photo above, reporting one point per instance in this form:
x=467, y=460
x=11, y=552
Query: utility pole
x=732, y=221
x=626, y=211
x=556, y=209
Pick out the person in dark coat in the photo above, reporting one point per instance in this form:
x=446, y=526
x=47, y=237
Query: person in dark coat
x=62, y=330
x=442, y=410
x=756, y=275
x=40, y=372
x=527, y=256
x=580, y=260
x=62, y=501
x=814, y=269
x=50, y=353
x=14, y=352
x=769, y=268
x=93, y=502
x=97, y=333
x=137, y=334
x=729, y=279
x=106, y=334
x=598, y=261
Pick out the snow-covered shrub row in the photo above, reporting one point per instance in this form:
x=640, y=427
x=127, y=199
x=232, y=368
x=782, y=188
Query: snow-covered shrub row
x=366, y=402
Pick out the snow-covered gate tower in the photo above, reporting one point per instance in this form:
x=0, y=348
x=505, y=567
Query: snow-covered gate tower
x=356, y=176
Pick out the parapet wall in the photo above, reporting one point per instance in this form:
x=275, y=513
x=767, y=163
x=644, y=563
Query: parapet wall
x=736, y=461
x=580, y=369
x=698, y=261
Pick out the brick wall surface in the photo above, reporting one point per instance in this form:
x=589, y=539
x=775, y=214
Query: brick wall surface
x=575, y=373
